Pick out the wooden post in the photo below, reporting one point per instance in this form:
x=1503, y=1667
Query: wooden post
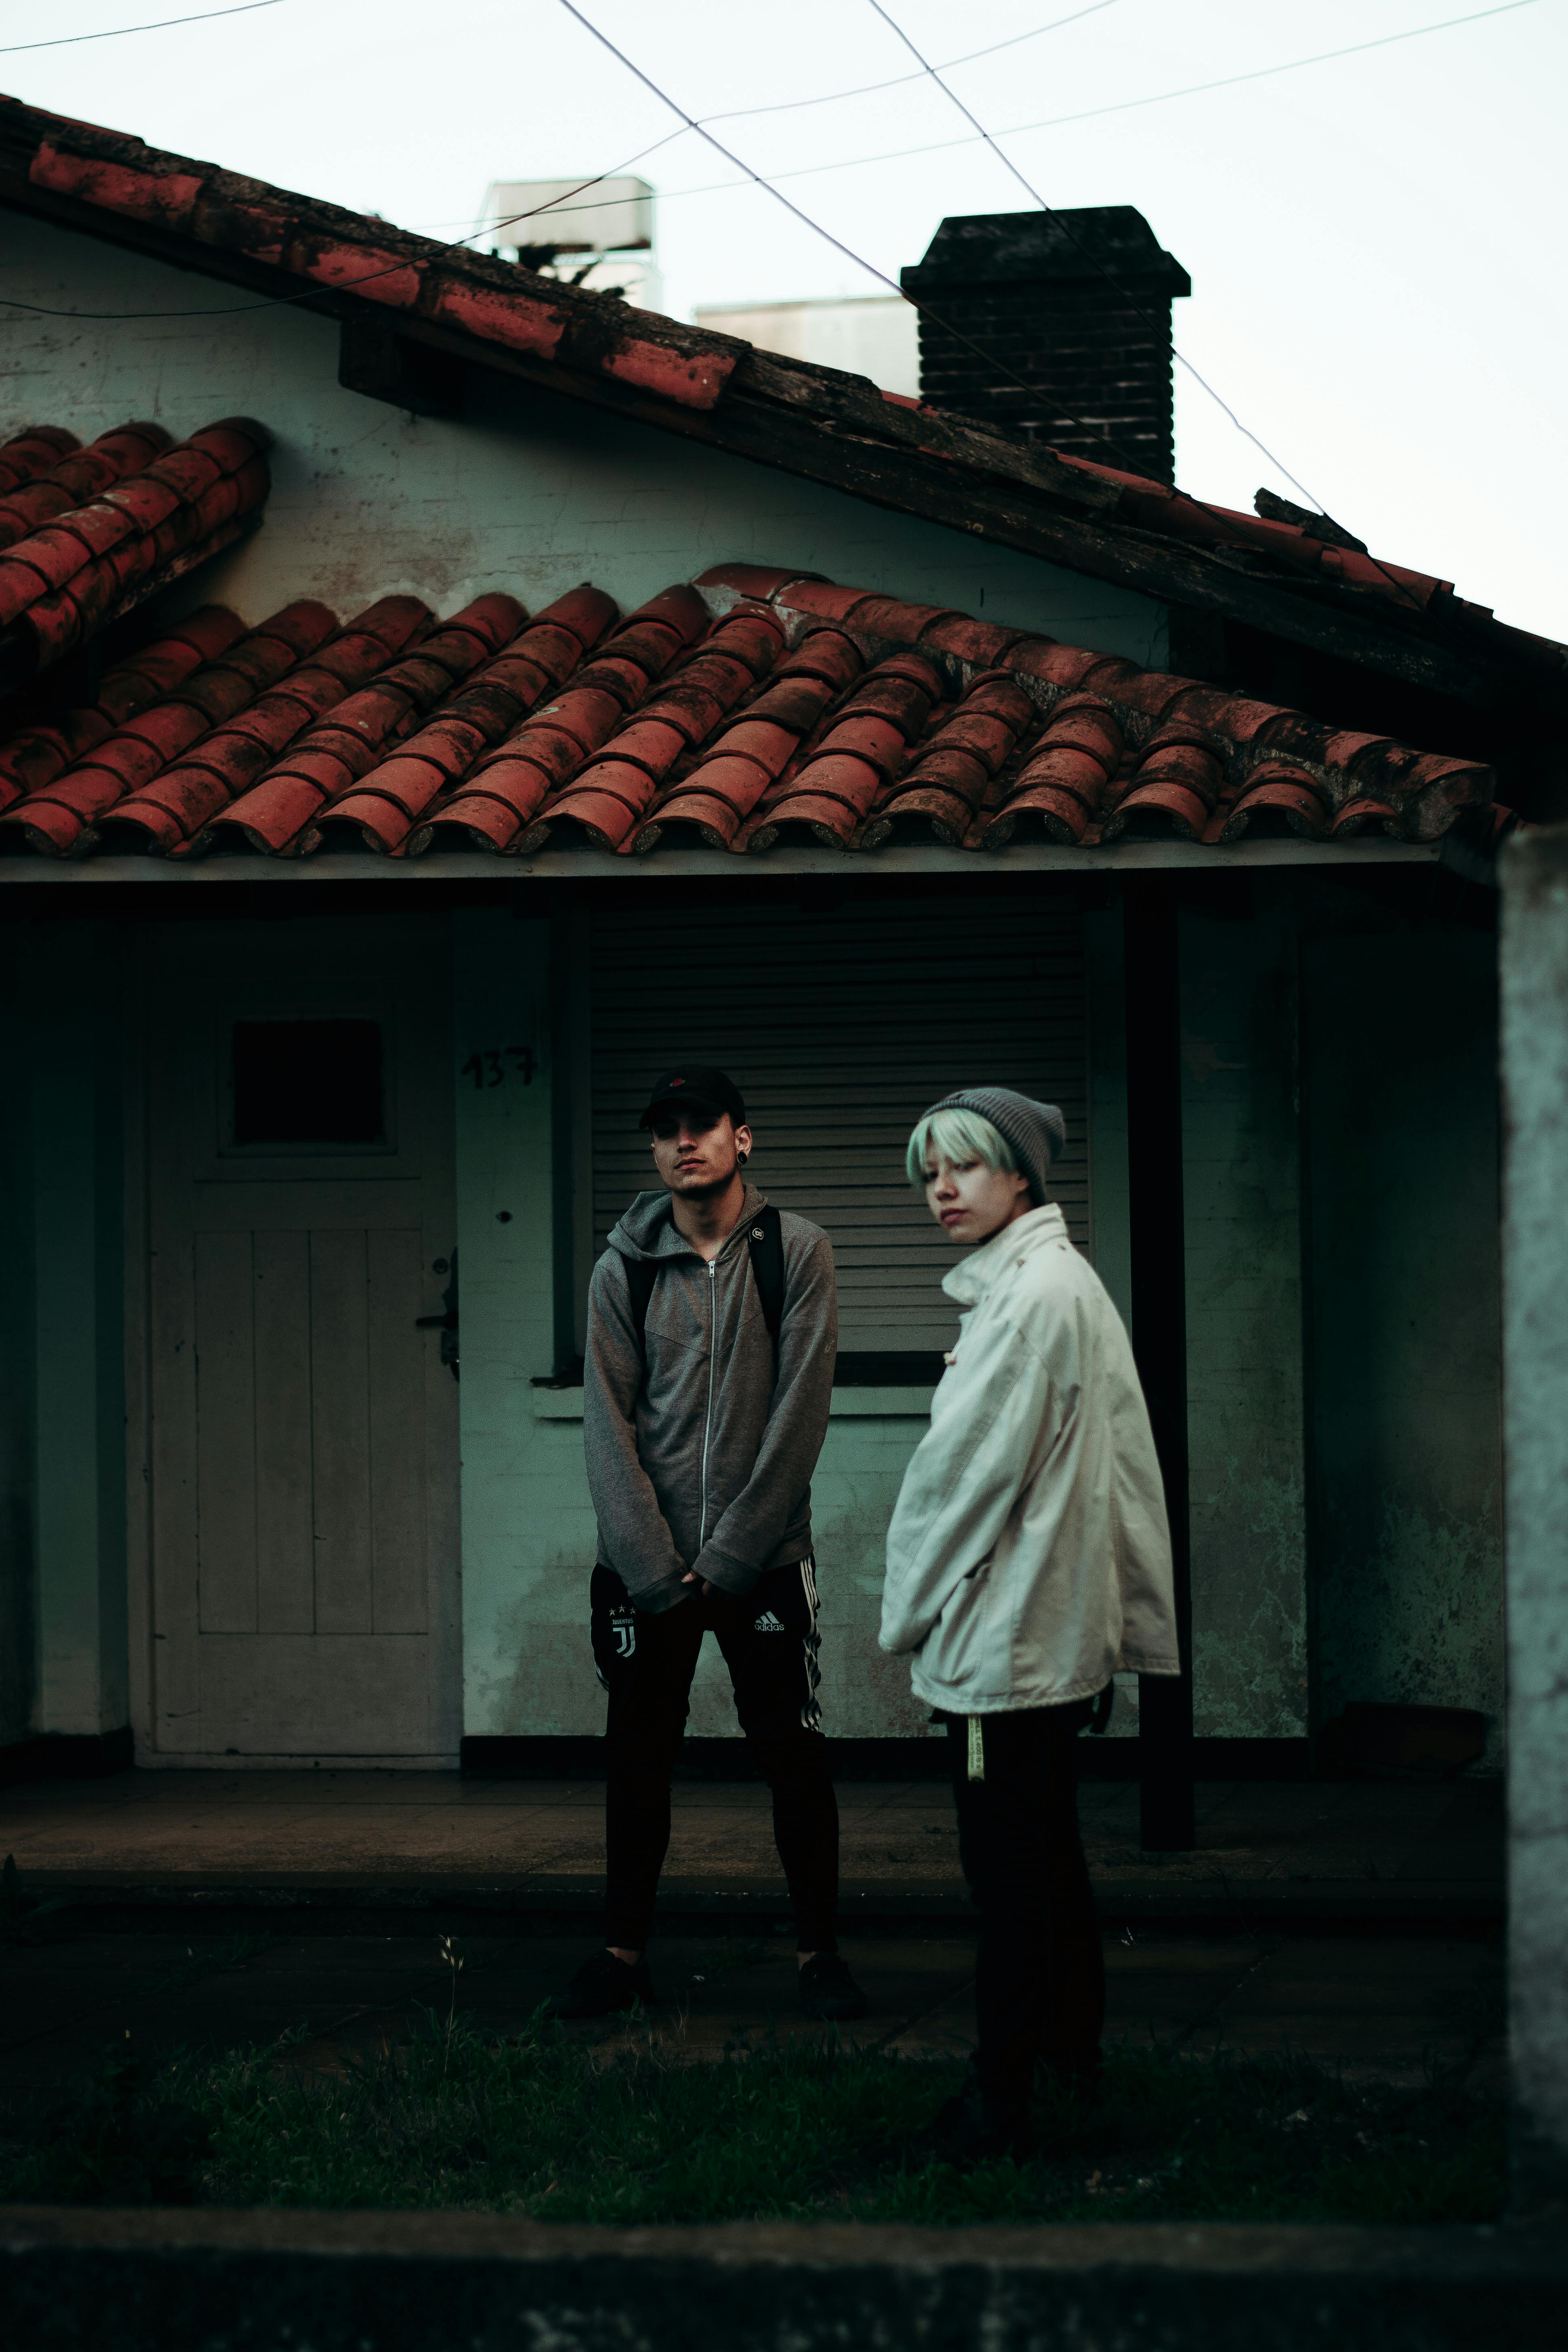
x=1160, y=1321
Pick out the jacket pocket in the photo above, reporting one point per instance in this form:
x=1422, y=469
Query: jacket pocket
x=955, y=1650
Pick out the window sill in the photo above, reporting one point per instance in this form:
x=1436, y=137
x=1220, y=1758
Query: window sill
x=848, y=1404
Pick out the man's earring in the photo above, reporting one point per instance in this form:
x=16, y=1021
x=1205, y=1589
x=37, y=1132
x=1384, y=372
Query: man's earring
x=741, y=1158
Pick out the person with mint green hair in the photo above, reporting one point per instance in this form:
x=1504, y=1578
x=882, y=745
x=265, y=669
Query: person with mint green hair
x=1028, y=1562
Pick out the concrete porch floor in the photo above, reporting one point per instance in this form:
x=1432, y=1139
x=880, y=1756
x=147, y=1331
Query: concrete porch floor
x=1353, y=1922
x=1272, y=1853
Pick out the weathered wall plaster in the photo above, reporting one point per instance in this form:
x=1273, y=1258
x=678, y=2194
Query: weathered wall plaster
x=71, y=1513
x=528, y=492
x=18, y=1557
x=1243, y=1320
x=1535, y=1355
x=1401, y=1132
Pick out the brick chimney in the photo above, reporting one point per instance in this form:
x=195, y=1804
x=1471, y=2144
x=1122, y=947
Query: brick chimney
x=1024, y=287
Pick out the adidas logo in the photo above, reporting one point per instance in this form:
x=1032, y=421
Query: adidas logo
x=767, y=1623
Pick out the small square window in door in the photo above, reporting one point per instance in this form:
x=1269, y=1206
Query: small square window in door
x=304, y=1082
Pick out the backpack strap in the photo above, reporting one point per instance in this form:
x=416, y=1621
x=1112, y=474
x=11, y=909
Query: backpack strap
x=765, y=1240
x=642, y=1273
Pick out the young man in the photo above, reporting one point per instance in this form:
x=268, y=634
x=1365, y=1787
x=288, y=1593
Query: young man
x=1028, y=1560
x=712, y=1330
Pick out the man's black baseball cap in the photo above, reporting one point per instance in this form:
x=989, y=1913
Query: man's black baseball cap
x=695, y=1083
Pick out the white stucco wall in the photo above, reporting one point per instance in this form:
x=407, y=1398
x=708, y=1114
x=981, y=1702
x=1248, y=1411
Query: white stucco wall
x=529, y=493
x=1535, y=1387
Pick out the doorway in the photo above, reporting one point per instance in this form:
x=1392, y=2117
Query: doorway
x=303, y=1423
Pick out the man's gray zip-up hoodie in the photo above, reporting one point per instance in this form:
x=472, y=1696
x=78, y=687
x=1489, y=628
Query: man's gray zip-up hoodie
x=706, y=1462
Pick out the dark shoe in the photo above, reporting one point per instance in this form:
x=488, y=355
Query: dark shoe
x=829, y=1990
x=969, y=2131
x=601, y=1987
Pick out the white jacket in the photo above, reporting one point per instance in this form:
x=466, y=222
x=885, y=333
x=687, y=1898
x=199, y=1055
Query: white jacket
x=1029, y=1557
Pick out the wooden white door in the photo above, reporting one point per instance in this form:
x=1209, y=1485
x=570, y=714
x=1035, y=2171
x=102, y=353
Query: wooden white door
x=303, y=1425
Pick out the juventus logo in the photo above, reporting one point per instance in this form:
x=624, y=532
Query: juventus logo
x=626, y=1632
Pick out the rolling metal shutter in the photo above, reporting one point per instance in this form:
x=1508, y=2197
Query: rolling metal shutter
x=839, y=1030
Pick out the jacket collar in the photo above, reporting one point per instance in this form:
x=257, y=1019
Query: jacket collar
x=968, y=1281
x=661, y=1237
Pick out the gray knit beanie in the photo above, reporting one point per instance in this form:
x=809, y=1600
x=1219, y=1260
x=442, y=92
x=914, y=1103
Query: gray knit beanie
x=1037, y=1131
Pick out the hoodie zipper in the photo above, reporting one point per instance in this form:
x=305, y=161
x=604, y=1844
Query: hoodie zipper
x=707, y=1423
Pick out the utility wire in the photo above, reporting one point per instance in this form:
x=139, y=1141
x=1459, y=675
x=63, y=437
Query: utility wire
x=118, y=32
x=801, y=171
x=1153, y=324
x=312, y=293
x=815, y=225
x=899, y=81
x=1019, y=130
x=1090, y=114
x=837, y=243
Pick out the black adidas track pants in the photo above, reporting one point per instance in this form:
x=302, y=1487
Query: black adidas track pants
x=646, y=1663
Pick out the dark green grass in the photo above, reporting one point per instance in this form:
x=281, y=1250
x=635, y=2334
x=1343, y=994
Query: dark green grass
x=536, y=2124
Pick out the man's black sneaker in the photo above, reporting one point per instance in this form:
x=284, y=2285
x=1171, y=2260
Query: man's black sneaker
x=829, y=1990
x=969, y=2131
x=601, y=1987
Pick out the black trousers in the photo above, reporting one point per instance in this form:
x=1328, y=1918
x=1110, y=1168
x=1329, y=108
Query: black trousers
x=1040, y=1980
x=646, y=1663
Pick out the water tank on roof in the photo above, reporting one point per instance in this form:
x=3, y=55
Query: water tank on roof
x=606, y=216
x=598, y=235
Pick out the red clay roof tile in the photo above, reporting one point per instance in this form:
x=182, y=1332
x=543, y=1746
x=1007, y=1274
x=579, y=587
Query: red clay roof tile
x=89, y=536
x=78, y=477
x=29, y=455
x=783, y=707
x=164, y=814
x=497, y=302
x=327, y=759
x=35, y=755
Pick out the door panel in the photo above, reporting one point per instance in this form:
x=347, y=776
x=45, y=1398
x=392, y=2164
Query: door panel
x=225, y=1434
x=339, y=1432
x=285, y=1569
x=305, y=1573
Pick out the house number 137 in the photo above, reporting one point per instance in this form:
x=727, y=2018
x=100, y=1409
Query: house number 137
x=495, y=1064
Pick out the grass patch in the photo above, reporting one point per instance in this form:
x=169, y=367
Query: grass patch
x=540, y=2124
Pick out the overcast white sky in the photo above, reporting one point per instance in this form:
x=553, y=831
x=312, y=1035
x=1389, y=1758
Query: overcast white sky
x=1374, y=243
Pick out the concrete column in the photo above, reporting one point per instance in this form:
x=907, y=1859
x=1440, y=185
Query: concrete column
x=1244, y=1351
x=528, y=1529
x=71, y=1018
x=1535, y=1421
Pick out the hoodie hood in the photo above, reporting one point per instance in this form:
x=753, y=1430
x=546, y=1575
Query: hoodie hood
x=647, y=1229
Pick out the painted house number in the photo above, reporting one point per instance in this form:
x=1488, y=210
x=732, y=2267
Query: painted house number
x=493, y=1065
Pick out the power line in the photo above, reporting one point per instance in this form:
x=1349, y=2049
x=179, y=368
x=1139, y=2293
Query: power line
x=790, y=206
x=1051, y=214
x=118, y=32
x=1090, y=114
x=312, y=293
x=837, y=243
x=1262, y=73
x=899, y=81
x=1049, y=123
x=800, y=172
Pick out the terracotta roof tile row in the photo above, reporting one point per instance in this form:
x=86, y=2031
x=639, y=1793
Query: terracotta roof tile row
x=752, y=708
x=511, y=308
x=84, y=533
x=1295, y=547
